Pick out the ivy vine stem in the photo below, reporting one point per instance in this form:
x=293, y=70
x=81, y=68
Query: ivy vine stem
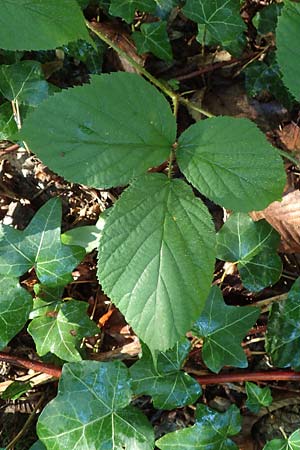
x=95, y=27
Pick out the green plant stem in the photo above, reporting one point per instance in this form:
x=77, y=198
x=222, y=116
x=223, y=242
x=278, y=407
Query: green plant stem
x=289, y=157
x=26, y=425
x=176, y=98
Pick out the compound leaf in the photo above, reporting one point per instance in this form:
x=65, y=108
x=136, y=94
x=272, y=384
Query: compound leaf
x=288, y=53
x=156, y=258
x=60, y=328
x=40, y=25
x=168, y=386
x=15, y=306
x=127, y=8
x=230, y=161
x=91, y=411
x=222, y=21
x=283, y=333
x=223, y=327
x=39, y=246
x=257, y=397
x=211, y=431
x=292, y=443
x=24, y=82
x=154, y=38
x=114, y=129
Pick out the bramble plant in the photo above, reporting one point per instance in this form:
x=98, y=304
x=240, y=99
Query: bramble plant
x=157, y=245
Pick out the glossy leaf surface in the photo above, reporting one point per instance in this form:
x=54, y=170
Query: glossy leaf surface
x=230, y=161
x=211, y=431
x=223, y=328
x=284, y=347
x=154, y=38
x=168, y=386
x=55, y=23
x=222, y=21
x=87, y=237
x=39, y=246
x=60, y=327
x=288, y=54
x=92, y=410
x=15, y=306
x=8, y=126
x=156, y=258
x=114, y=129
x=292, y=443
x=257, y=397
x=127, y=8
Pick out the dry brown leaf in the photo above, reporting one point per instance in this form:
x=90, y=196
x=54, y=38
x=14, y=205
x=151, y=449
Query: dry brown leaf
x=290, y=137
x=284, y=216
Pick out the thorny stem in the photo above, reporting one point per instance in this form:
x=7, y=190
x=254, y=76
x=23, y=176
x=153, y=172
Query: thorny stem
x=176, y=98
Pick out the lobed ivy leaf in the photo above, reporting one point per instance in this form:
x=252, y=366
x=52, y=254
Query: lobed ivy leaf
x=230, y=161
x=211, y=431
x=156, y=258
x=114, y=129
x=284, y=347
x=154, y=38
x=39, y=246
x=292, y=443
x=55, y=23
x=164, y=7
x=60, y=327
x=92, y=410
x=257, y=397
x=15, y=390
x=222, y=21
x=127, y=8
x=266, y=19
x=251, y=245
x=168, y=386
x=24, y=81
x=15, y=306
x=288, y=54
x=223, y=327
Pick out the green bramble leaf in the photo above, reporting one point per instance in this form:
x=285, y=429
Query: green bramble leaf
x=284, y=347
x=92, y=410
x=154, y=38
x=222, y=21
x=127, y=8
x=252, y=246
x=230, y=161
x=15, y=306
x=114, y=128
x=55, y=23
x=168, y=386
x=211, y=431
x=257, y=397
x=156, y=258
x=288, y=53
x=60, y=327
x=292, y=443
x=223, y=327
x=39, y=246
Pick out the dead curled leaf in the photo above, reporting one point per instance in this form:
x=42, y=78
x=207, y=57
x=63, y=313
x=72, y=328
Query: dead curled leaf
x=284, y=216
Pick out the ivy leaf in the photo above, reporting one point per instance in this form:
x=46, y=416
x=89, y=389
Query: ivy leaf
x=230, y=162
x=211, y=431
x=156, y=258
x=288, y=54
x=266, y=19
x=154, y=38
x=15, y=306
x=55, y=23
x=127, y=8
x=257, y=397
x=92, y=410
x=168, y=386
x=223, y=327
x=101, y=128
x=24, y=82
x=8, y=126
x=39, y=246
x=251, y=245
x=60, y=329
x=292, y=443
x=38, y=445
x=87, y=237
x=283, y=333
x=221, y=19
x=15, y=390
